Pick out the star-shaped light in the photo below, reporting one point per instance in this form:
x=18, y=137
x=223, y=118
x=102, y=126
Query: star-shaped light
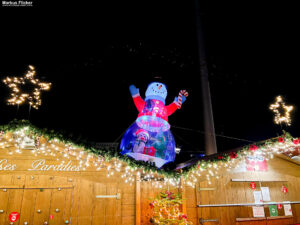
x=33, y=96
x=282, y=111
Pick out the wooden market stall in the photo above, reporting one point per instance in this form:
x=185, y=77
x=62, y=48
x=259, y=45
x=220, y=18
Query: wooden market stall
x=231, y=196
x=48, y=185
x=48, y=179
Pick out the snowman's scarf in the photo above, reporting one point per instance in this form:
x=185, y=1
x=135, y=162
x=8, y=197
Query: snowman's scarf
x=182, y=92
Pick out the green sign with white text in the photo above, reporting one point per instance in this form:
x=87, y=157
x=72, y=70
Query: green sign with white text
x=273, y=210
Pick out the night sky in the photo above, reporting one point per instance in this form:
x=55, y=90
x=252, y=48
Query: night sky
x=92, y=53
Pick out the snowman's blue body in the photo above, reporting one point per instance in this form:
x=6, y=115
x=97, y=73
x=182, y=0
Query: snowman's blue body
x=157, y=140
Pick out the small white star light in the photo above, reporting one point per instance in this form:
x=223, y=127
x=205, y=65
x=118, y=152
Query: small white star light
x=32, y=94
x=281, y=111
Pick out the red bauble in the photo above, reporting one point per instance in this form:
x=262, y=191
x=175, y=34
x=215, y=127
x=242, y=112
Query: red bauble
x=232, y=155
x=281, y=140
x=296, y=141
x=253, y=148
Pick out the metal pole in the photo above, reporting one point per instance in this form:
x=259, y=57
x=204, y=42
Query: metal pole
x=210, y=138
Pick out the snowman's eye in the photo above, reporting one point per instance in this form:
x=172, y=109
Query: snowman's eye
x=156, y=84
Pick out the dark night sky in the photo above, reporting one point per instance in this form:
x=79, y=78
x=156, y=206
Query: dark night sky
x=92, y=53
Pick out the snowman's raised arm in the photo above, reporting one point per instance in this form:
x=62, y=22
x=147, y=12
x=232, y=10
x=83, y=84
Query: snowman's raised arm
x=172, y=107
x=137, y=99
x=176, y=104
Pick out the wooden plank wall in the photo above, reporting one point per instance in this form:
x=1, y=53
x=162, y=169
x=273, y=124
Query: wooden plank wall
x=227, y=191
x=57, y=197
x=77, y=203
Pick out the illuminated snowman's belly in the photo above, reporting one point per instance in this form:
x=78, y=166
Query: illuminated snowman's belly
x=152, y=123
x=153, y=117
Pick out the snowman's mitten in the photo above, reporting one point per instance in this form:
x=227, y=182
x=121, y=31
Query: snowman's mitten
x=183, y=99
x=133, y=90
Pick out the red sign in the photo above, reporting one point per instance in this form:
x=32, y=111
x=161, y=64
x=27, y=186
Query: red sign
x=14, y=216
x=279, y=206
x=256, y=163
x=253, y=185
x=284, y=189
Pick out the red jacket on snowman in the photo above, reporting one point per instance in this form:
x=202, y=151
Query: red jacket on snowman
x=153, y=114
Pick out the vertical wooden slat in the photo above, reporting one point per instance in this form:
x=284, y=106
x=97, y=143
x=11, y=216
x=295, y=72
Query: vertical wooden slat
x=42, y=203
x=119, y=209
x=68, y=204
x=99, y=204
x=57, y=203
x=128, y=204
x=183, y=194
x=75, y=201
x=4, y=196
x=86, y=199
x=110, y=209
x=28, y=203
x=138, y=202
x=14, y=202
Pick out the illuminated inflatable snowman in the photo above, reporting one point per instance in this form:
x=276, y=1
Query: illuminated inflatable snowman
x=149, y=138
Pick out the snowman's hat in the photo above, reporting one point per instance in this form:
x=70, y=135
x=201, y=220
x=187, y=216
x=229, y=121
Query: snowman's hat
x=142, y=131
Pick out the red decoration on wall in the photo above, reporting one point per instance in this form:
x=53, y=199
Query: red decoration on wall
x=256, y=163
x=284, y=189
x=281, y=140
x=13, y=217
x=253, y=185
x=151, y=205
x=296, y=141
x=184, y=216
x=232, y=155
x=279, y=206
x=253, y=148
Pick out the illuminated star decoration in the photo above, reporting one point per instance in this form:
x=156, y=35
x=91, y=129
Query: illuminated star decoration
x=282, y=111
x=33, y=96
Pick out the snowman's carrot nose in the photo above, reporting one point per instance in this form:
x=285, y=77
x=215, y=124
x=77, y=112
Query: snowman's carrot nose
x=159, y=87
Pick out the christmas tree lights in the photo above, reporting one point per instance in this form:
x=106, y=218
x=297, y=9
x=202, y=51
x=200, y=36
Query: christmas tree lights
x=166, y=210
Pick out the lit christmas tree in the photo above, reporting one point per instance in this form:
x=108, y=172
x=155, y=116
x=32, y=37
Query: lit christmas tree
x=166, y=210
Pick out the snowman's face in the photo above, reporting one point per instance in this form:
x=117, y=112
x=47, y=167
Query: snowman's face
x=157, y=89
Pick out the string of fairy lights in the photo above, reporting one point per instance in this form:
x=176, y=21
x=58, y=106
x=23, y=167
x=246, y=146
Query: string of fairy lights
x=33, y=96
x=282, y=111
x=14, y=144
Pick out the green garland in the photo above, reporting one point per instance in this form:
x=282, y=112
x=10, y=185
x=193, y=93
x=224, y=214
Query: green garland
x=227, y=156
x=108, y=154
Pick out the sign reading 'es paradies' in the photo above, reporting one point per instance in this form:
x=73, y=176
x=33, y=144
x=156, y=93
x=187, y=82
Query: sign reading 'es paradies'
x=38, y=165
